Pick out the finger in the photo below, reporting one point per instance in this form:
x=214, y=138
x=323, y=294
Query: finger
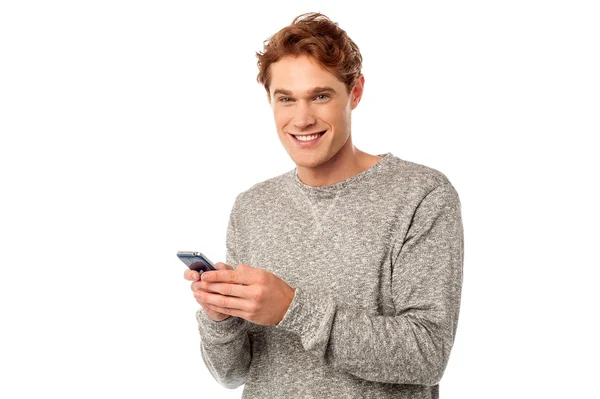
x=227, y=289
x=200, y=286
x=211, y=308
x=242, y=275
x=222, y=301
x=230, y=312
x=219, y=275
x=195, y=286
x=191, y=275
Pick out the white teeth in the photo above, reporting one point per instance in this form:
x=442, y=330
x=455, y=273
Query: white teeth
x=308, y=138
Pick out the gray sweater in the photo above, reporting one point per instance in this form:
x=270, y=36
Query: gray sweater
x=376, y=261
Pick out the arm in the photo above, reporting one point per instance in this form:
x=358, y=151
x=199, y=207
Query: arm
x=224, y=345
x=412, y=346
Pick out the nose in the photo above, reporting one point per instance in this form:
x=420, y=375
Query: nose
x=303, y=116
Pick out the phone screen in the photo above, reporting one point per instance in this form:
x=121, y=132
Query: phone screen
x=196, y=261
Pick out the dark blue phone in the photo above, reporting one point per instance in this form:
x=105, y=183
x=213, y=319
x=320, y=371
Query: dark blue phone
x=196, y=261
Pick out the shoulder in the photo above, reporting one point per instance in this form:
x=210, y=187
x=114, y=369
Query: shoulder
x=419, y=186
x=412, y=176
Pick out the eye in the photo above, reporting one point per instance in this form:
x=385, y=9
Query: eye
x=322, y=97
x=284, y=99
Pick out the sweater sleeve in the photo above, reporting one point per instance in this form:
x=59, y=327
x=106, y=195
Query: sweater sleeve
x=413, y=345
x=225, y=345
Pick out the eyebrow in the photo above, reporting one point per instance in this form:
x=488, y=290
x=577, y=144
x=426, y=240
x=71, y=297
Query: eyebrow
x=314, y=91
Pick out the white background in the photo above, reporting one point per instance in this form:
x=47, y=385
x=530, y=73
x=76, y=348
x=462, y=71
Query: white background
x=128, y=127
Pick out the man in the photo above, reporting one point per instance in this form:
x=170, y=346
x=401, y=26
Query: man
x=344, y=275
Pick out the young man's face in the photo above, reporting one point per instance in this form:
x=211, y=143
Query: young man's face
x=311, y=109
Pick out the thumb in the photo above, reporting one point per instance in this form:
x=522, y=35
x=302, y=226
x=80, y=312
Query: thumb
x=243, y=267
x=223, y=266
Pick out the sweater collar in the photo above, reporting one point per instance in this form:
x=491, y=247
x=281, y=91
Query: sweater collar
x=336, y=188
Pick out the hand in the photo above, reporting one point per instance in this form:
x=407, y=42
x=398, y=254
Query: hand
x=194, y=276
x=248, y=292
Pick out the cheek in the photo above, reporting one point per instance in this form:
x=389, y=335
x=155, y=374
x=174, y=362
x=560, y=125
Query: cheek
x=336, y=114
x=337, y=120
x=279, y=123
x=281, y=119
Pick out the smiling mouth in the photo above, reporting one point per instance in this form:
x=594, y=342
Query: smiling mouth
x=308, y=137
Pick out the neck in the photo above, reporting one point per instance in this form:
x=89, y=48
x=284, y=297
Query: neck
x=348, y=162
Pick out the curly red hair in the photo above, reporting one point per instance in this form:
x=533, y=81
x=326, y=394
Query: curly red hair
x=317, y=36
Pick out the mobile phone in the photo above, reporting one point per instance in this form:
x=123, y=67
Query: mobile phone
x=196, y=261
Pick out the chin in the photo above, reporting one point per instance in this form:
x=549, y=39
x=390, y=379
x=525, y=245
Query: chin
x=309, y=160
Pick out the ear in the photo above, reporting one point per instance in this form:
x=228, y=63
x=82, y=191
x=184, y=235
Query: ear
x=357, y=91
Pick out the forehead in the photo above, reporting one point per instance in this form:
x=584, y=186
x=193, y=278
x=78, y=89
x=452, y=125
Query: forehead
x=301, y=74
